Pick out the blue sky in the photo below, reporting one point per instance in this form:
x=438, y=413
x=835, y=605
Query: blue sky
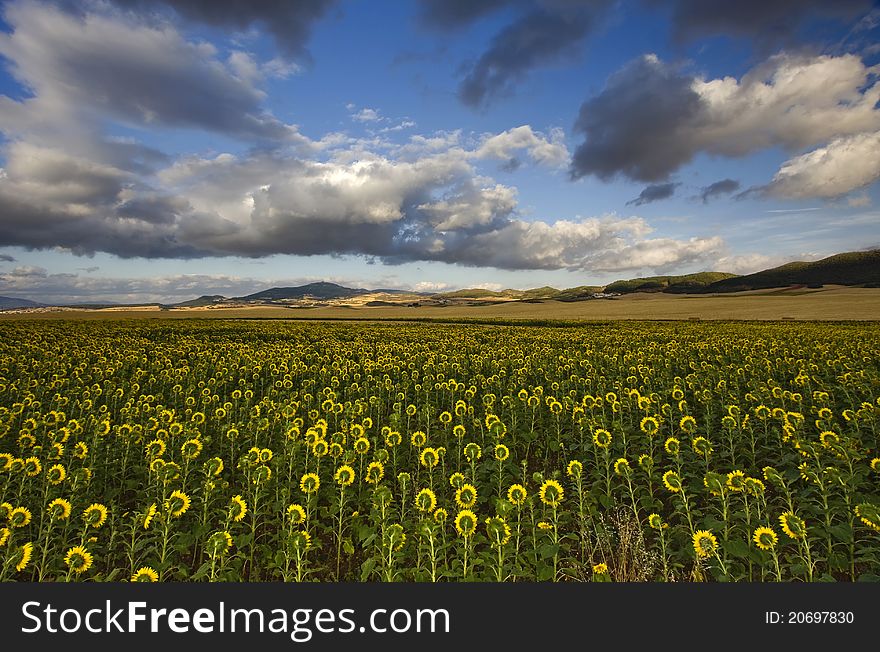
x=163, y=149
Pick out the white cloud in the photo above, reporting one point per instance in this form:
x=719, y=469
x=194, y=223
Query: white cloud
x=844, y=165
x=366, y=115
x=546, y=151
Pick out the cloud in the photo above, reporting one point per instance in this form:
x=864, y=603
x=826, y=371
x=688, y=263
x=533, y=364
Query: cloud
x=547, y=151
x=652, y=118
x=723, y=187
x=859, y=201
x=148, y=76
x=654, y=192
x=766, y=21
x=6, y=258
x=290, y=23
x=366, y=115
x=452, y=14
x=541, y=33
x=844, y=165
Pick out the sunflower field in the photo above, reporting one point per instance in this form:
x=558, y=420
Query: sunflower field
x=233, y=451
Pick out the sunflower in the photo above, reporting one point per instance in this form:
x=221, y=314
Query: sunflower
x=600, y=569
x=793, y=525
x=150, y=514
x=56, y=474
x=5, y=533
x=426, y=500
x=23, y=556
x=829, y=439
x=869, y=514
x=765, y=538
x=649, y=426
x=296, y=514
x=32, y=467
x=177, y=504
x=466, y=496
x=466, y=523
x=219, y=543
x=705, y=543
x=459, y=431
x=672, y=446
x=517, y=494
x=145, y=574
x=544, y=525
x=440, y=515
x=78, y=559
x=501, y=452
x=672, y=481
x=473, y=452
x=429, y=457
x=687, y=424
x=656, y=522
x=551, y=493
x=214, y=467
x=155, y=448
x=344, y=475
x=498, y=531
x=59, y=509
x=310, y=483
x=574, y=469
x=375, y=472
x=875, y=464
x=621, y=466
x=238, y=508
x=418, y=439
x=5, y=462
x=362, y=445
x=602, y=438
x=190, y=449
x=19, y=517
x=736, y=481
x=456, y=480
x=702, y=446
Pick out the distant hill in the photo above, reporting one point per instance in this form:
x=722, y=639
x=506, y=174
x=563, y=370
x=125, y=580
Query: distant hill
x=204, y=300
x=319, y=290
x=11, y=303
x=672, y=284
x=853, y=268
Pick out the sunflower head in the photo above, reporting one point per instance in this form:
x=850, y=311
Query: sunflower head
x=702, y=446
x=456, y=480
x=296, y=514
x=672, y=481
x=656, y=522
x=429, y=457
x=59, y=509
x=765, y=538
x=310, y=483
x=517, y=494
x=869, y=514
x=736, y=481
x=177, y=504
x=498, y=531
x=78, y=559
x=95, y=515
x=375, y=472
x=56, y=474
x=574, y=469
x=19, y=517
x=715, y=483
x=621, y=466
x=602, y=438
x=440, y=515
x=395, y=537
x=145, y=574
x=466, y=496
x=793, y=525
x=466, y=523
x=219, y=543
x=344, y=476
x=426, y=500
x=672, y=446
x=300, y=541
x=473, y=452
x=551, y=493
x=705, y=544
x=237, y=508
x=501, y=452
x=22, y=557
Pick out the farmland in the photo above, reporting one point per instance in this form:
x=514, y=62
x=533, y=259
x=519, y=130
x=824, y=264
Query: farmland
x=212, y=450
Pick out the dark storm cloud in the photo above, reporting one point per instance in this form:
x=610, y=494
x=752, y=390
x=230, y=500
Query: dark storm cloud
x=766, y=21
x=289, y=21
x=451, y=14
x=654, y=192
x=723, y=187
x=538, y=38
x=6, y=258
x=638, y=125
x=131, y=72
x=543, y=32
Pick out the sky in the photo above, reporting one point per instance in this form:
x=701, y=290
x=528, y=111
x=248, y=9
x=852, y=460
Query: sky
x=158, y=150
